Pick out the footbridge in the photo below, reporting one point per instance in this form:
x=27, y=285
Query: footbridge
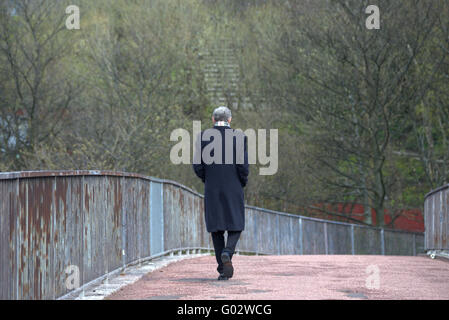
x=91, y=224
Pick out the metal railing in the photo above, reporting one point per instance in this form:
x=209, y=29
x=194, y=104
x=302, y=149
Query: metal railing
x=102, y=221
x=436, y=219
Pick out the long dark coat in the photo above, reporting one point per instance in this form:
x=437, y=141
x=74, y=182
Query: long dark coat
x=223, y=185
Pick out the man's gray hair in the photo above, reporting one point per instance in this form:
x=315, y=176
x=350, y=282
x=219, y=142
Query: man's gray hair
x=222, y=113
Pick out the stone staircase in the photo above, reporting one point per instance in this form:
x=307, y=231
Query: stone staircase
x=222, y=75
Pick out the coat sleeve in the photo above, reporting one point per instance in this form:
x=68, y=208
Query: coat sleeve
x=243, y=169
x=198, y=165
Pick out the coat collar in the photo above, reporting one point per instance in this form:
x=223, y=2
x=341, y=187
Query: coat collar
x=222, y=124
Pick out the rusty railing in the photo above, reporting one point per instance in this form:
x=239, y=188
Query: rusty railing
x=99, y=222
x=436, y=221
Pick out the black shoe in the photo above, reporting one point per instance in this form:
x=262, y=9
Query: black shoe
x=228, y=269
x=222, y=277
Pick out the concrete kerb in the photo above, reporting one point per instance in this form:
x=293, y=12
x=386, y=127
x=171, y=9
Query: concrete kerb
x=102, y=287
x=107, y=284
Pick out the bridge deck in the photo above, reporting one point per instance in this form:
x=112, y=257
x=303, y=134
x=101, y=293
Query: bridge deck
x=297, y=277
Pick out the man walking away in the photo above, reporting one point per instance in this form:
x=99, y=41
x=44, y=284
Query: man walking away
x=224, y=176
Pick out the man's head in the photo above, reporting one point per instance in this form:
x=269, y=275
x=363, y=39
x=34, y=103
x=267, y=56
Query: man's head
x=221, y=113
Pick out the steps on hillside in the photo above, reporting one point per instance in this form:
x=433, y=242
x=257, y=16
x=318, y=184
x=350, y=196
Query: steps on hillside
x=222, y=76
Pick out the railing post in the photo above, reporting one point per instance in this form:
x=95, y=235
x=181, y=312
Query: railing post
x=352, y=240
x=301, y=249
x=326, y=249
x=256, y=249
x=162, y=218
x=382, y=241
x=17, y=243
x=123, y=224
x=278, y=235
x=440, y=242
x=150, y=217
x=156, y=217
x=426, y=223
x=53, y=223
x=414, y=244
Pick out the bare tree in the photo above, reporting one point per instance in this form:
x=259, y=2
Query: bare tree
x=37, y=92
x=352, y=86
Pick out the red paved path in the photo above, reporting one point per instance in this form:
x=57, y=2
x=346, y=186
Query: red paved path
x=295, y=277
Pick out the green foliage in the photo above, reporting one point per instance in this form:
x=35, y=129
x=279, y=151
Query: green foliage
x=363, y=115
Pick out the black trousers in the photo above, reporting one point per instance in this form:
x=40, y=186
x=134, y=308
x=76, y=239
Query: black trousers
x=220, y=246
